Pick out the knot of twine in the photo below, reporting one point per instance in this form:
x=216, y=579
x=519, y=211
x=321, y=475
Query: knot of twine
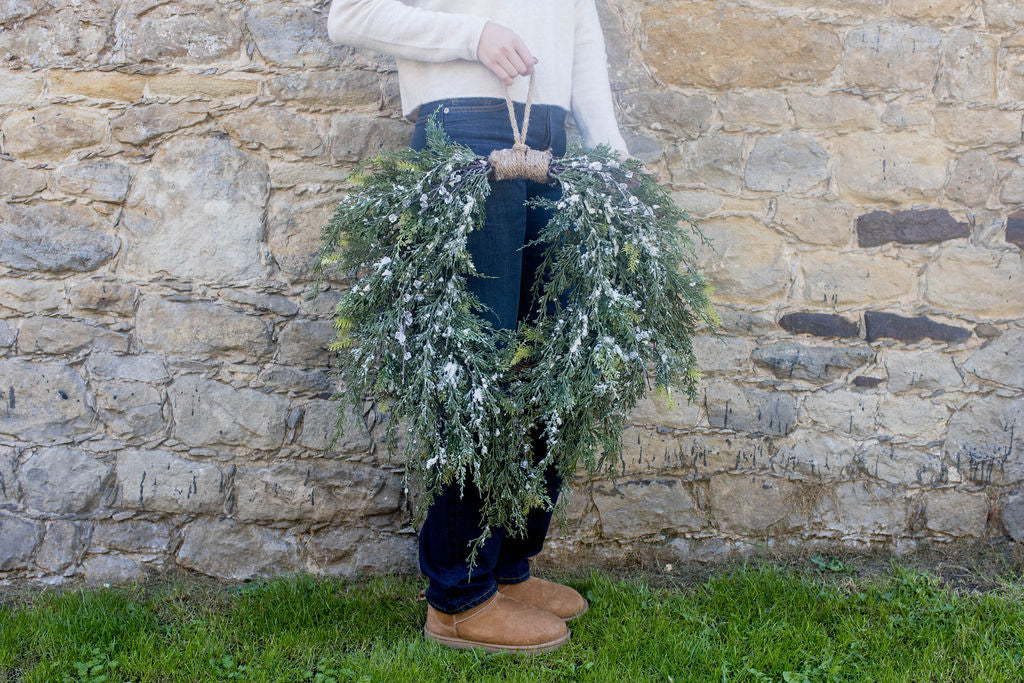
x=520, y=161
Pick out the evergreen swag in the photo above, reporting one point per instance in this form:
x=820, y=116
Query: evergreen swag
x=409, y=335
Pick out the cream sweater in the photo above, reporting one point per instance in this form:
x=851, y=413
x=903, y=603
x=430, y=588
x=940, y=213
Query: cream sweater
x=434, y=44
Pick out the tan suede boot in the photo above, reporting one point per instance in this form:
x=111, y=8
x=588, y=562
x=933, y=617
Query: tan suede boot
x=560, y=600
x=499, y=623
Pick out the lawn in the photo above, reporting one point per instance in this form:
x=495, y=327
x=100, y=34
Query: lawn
x=748, y=621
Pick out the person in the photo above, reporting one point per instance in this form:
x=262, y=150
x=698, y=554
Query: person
x=456, y=58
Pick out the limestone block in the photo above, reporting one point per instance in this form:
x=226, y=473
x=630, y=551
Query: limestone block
x=985, y=440
x=891, y=56
x=642, y=507
x=106, y=181
x=900, y=465
x=53, y=237
x=19, y=537
x=860, y=507
x=789, y=162
x=275, y=129
x=170, y=211
x=18, y=180
x=1000, y=360
x=955, y=513
x=820, y=364
x=832, y=111
x=158, y=480
x=45, y=334
x=52, y=132
x=968, y=71
x=63, y=479
x=144, y=122
x=751, y=504
x=43, y=402
x=356, y=137
x=200, y=328
x=898, y=167
x=30, y=296
x=730, y=46
x=848, y=278
x=194, y=31
x=228, y=549
x=207, y=412
x=923, y=370
x=319, y=490
x=746, y=263
x=976, y=281
x=748, y=409
x=815, y=221
x=713, y=160
x=841, y=410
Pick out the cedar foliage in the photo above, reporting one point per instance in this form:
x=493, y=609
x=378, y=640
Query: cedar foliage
x=616, y=302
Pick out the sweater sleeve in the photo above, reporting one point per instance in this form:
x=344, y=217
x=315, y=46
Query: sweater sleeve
x=404, y=31
x=592, y=105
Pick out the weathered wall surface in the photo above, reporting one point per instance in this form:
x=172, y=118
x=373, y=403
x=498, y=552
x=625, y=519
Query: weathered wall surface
x=165, y=170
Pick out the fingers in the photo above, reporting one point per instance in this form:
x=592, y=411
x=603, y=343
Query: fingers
x=502, y=51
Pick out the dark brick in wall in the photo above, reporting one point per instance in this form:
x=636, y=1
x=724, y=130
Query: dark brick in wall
x=908, y=227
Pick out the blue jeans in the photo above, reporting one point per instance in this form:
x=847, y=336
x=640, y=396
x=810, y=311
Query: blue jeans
x=496, y=247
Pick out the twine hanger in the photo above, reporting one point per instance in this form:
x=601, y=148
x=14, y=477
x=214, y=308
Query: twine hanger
x=520, y=161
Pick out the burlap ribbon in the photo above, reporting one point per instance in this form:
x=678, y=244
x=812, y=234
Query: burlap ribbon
x=520, y=161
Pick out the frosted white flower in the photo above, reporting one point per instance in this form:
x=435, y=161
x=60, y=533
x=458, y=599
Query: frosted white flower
x=595, y=166
x=393, y=217
x=450, y=370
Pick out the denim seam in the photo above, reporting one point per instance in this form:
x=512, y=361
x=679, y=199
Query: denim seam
x=473, y=602
x=518, y=579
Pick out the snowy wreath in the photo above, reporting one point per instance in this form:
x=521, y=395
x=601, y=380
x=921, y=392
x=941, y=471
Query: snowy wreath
x=410, y=338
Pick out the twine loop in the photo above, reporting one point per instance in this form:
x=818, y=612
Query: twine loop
x=520, y=161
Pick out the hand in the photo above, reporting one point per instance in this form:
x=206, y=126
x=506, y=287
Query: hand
x=502, y=51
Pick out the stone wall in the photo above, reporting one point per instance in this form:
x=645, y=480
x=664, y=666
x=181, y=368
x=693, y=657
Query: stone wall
x=164, y=374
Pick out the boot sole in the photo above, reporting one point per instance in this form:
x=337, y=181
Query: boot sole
x=463, y=644
x=586, y=607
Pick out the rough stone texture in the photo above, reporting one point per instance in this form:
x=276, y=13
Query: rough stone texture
x=1000, y=360
x=751, y=504
x=908, y=227
x=926, y=370
x=792, y=360
x=42, y=402
x=984, y=439
x=170, y=211
x=729, y=46
x=890, y=166
x=842, y=279
x=976, y=281
x=748, y=409
x=208, y=412
x=815, y=221
x=746, y=263
x=955, y=513
x=165, y=377
x=156, y=480
x=53, y=237
x=322, y=491
x=891, y=56
x=645, y=506
x=200, y=327
x=62, y=479
x=788, y=162
x=228, y=549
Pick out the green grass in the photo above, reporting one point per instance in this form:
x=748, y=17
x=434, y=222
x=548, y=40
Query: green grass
x=749, y=622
